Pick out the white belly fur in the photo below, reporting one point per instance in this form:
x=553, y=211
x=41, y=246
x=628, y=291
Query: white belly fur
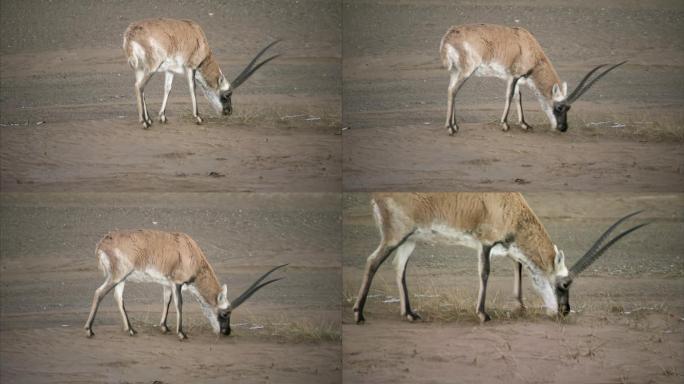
x=445, y=234
x=492, y=70
x=149, y=276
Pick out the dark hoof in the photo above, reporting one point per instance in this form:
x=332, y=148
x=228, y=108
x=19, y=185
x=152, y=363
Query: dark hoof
x=359, y=317
x=164, y=329
x=132, y=332
x=181, y=336
x=412, y=316
x=483, y=317
x=89, y=333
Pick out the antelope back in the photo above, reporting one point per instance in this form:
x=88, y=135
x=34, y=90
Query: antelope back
x=512, y=48
x=175, y=255
x=487, y=217
x=157, y=39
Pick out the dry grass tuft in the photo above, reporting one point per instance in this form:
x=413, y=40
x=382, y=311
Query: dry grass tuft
x=297, y=330
x=649, y=126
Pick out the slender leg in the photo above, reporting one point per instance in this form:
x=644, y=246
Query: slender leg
x=141, y=79
x=118, y=296
x=374, y=262
x=168, y=81
x=401, y=260
x=521, y=116
x=191, y=85
x=510, y=88
x=483, y=267
x=517, y=283
x=166, y=301
x=178, y=302
x=456, y=81
x=99, y=294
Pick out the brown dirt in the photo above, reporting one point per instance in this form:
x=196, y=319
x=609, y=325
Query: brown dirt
x=288, y=332
x=625, y=134
x=628, y=319
x=62, y=65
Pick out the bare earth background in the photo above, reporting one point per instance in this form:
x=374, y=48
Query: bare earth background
x=625, y=134
x=628, y=319
x=288, y=332
x=62, y=64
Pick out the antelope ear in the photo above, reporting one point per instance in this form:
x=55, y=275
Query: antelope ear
x=559, y=261
x=565, y=89
x=223, y=295
x=556, y=92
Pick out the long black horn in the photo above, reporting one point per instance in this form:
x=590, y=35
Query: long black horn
x=581, y=88
x=251, y=68
x=255, y=287
x=584, y=80
x=594, y=252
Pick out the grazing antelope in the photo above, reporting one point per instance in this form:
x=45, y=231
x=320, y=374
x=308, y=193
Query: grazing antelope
x=173, y=260
x=512, y=54
x=180, y=46
x=495, y=224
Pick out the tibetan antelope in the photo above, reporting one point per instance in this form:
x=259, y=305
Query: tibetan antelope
x=514, y=55
x=173, y=260
x=495, y=224
x=180, y=46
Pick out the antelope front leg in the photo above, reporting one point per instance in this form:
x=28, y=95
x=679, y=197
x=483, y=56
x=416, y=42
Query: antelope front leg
x=168, y=82
x=521, y=117
x=510, y=87
x=483, y=267
x=191, y=85
x=166, y=302
x=178, y=302
x=401, y=259
x=517, y=284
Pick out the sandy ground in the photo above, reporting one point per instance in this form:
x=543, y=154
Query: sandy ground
x=628, y=319
x=625, y=134
x=69, y=120
x=288, y=332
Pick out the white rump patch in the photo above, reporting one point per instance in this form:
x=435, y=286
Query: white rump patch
x=104, y=263
x=452, y=56
x=138, y=55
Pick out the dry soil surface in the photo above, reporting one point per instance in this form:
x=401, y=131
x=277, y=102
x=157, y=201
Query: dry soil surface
x=69, y=120
x=287, y=332
x=625, y=133
x=627, y=324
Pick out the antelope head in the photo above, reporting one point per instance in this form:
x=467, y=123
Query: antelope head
x=562, y=101
x=226, y=91
x=225, y=307
x=564, y=277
